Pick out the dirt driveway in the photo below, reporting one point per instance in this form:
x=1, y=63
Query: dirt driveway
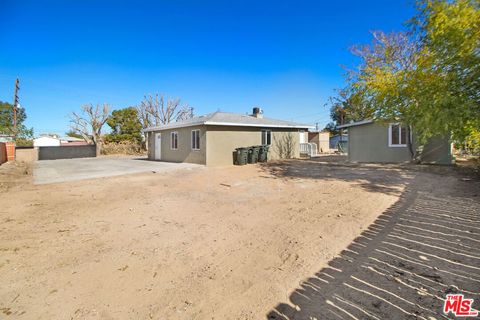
x=423, y=247
x=62, y=170
x=213, y=243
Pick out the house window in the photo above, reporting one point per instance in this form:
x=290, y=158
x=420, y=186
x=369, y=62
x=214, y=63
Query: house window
x=266, y=137
x=196, y=139
x=174, y=140
x=397, y=135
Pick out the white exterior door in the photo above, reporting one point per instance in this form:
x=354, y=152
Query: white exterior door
x=158, y=146
x=302, y=136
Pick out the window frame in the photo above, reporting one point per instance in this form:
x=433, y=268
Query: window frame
x=265, y=134
x=400, y=144
x=172, y=147
x=194, y=140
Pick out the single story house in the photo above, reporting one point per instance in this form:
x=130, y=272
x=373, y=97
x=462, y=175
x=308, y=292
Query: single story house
x=5, y=137
x=321, y=139
x=369, y=141
x=336, y=139
x=72, y=141
x=211, y=139
x=46, y=141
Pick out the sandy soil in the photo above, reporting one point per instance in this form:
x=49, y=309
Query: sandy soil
x=206, y=243
x=403, y=266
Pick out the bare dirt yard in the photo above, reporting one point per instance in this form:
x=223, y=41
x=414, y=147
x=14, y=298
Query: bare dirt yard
x=222, y=243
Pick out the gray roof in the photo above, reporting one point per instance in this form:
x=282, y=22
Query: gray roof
x=71, y=139
x=231, y=119
x=353, y=124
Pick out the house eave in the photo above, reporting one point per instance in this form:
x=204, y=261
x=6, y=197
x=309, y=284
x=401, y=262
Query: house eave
x=228, y=124
x=258, y=125
x=354, y=124
x=173, y=126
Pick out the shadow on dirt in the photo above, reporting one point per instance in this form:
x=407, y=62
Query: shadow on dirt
x=423, y=247
x=388, y=179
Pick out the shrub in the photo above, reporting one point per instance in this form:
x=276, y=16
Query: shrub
x=124, y=147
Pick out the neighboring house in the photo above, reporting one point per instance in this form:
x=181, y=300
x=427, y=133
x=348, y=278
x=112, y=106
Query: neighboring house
x=374, y=142
x=211, y=139
x=72, y=141
x=321, y=139
x=53, y=140
x=334, y=140
x=5, y=137
x=46, y=141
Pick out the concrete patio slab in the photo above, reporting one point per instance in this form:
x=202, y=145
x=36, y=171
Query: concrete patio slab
x=54, y=171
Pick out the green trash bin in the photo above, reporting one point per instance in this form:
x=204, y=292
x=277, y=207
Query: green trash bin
x=241, y=156
x=253, y=154
x=262, y=154
x=265, y=149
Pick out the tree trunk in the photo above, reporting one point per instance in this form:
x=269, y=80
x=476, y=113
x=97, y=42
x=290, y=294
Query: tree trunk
x=410, y=145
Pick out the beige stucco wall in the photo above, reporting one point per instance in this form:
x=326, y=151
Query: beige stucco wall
x=223, y=140
x=217, y=144
x=278, y=138
x=369, y=143
x=184, y=153
x=321, y=139
x=26, y=155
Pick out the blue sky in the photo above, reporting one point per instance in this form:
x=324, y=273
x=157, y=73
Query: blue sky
x=284, y=56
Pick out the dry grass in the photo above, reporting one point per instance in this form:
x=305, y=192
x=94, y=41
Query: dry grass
x=123, y=148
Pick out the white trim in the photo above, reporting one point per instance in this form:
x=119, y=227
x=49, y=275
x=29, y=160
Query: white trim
x=191, y=140
x=173, y=126
x=259, y=125
x=399, y=136
x=171, y=140
x=353, y=124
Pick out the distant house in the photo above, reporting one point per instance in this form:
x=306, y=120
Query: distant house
x=373, y=142
x=339, y=139
x=321, y=139
x=5, y=137
x=53, y=140
x=72, y=141
x=211, y=139
x=46, y=141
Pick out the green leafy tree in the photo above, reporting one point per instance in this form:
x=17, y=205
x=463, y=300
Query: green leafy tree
x=331, y=127
x=345, y=107
x=6, y=122
x=446, y=81
x=125, y=125
x=427, y=79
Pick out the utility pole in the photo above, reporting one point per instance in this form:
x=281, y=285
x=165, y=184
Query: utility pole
x=15, y=103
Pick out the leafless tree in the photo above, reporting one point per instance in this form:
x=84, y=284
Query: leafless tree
x=89, y=122
x=285, y=146
x=155, y=110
